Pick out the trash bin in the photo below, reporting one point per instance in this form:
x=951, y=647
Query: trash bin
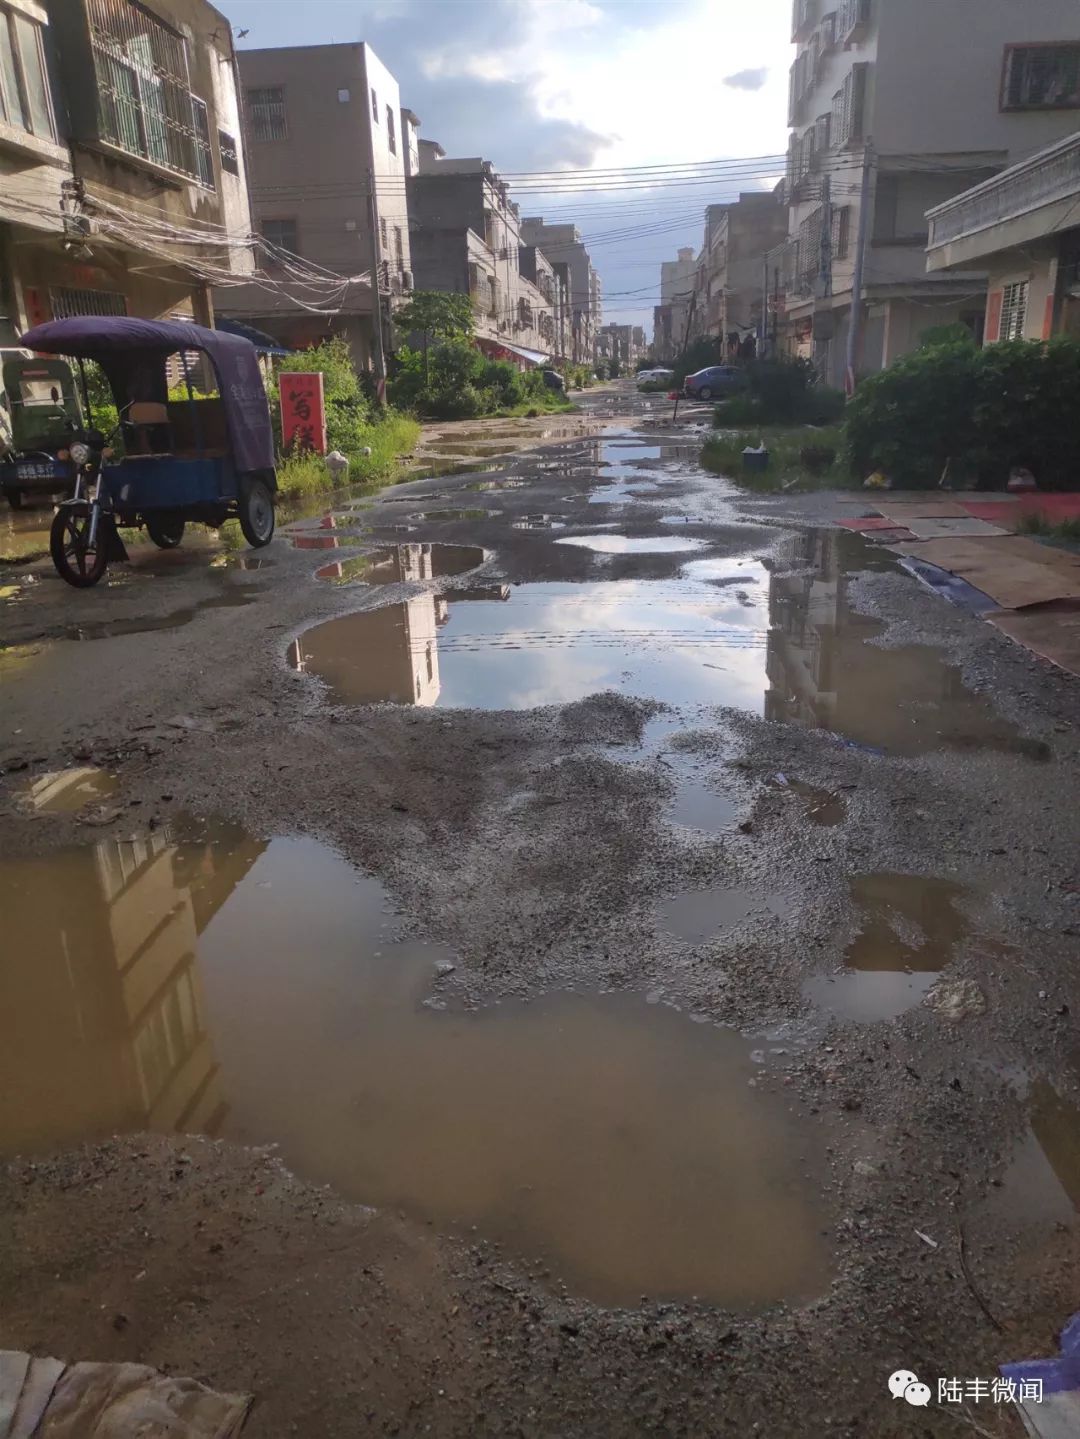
x=755, y=461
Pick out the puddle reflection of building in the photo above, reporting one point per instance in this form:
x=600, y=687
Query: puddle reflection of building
x=1055, y=1123
x=390, y=654
x=823, y=674
x=102, y=1008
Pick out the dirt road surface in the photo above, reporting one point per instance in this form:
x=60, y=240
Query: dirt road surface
x=559, y=948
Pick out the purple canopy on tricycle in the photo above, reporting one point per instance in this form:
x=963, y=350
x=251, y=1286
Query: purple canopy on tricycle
x=122, y=344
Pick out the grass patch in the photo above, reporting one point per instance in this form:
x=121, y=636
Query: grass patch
x=550, y=403
x=1036, y=523
x=802, y=456
x=301, y=476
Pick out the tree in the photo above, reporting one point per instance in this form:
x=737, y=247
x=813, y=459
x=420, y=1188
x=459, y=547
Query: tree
x=438, y=315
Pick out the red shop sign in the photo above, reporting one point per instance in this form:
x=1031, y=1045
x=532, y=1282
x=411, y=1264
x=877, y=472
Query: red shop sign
x=303, y=412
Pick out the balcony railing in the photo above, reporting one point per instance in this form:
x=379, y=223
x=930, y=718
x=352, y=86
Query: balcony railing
x=803, y=15
x=1046, y=178
x=852, y=21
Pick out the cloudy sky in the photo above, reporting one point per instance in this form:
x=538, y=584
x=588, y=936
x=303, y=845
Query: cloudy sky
x=541, y=85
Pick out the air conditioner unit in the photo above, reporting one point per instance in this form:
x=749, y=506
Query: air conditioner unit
x=406, y=280
x=395, y=284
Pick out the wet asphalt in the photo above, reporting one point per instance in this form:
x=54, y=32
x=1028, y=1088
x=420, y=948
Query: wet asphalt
x=765, y=784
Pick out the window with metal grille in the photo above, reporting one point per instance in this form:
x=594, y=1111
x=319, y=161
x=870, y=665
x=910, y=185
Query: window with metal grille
x=66, y=302
x=374, y=105
x=204, y=157
x=391, y=134
x=266, y=113
x=1014, y=302
x=384, y=244
x=228, y=153
x=1041, y=77
x=848, y=107
x=281, y=233
x=841, y=231
x=399, y=252
x=24, y=86
x=145, y=104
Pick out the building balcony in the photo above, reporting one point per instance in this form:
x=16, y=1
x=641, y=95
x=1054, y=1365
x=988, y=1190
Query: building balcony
x=803, y=17
x=853, y=22
x=1023, y=203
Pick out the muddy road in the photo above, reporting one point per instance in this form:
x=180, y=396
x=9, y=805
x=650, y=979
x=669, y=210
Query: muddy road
x=558, y=948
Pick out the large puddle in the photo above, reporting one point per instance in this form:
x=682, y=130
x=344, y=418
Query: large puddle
x=401, y=563
x=909, y=927
x=207, y=981
x=546, y=644
x=704, y=638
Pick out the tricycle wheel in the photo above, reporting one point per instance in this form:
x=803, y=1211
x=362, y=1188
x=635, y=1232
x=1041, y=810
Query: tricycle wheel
x=257, y=513
x=166, y=531
x=16, y=499
x=69, y=544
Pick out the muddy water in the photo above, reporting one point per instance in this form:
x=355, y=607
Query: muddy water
x=207, y=981
x=699, y=915
x=825, y=671
x=548, y=644
x=909, y=927
x=412, y=562
x=64, y=791
x=1042, y=1181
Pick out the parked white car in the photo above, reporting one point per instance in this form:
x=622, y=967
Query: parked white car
x=648, y=376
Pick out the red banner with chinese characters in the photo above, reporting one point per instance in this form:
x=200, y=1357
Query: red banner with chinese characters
x=303, y=412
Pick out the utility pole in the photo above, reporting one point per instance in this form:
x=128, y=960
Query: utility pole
x=763, y=327
x=378, y=353
x=855, y=320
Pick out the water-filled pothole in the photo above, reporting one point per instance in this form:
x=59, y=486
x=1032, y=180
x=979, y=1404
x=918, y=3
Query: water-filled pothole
x=633, y=544
x=909, y=927
x=538, y=522
x=403, y=563
x=209, y=982
x=64, y=791
x=698, y=915
x=435, y=516
x=550, y=644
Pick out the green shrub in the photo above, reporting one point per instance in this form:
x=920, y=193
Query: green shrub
x=389, y=437
x=348, y=410
x=982, y=411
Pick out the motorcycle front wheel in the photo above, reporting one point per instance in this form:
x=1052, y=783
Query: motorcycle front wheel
x=77, y=561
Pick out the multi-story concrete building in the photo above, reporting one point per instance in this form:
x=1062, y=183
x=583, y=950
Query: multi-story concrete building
x=562, y=246
x=623, y=344
x=328, y=143
x=466, y=236
x=907, y=102
x=678, y=278
x=738, y=236
x=119, y=142
x=663, y=345
x=1023, y=226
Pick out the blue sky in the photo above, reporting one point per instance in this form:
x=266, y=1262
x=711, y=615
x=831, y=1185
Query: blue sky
x=556, y=84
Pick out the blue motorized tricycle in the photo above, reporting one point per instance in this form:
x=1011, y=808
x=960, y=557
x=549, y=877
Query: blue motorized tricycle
x=204, y=459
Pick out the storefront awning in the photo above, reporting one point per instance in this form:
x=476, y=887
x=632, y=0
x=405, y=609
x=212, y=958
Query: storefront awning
x=492, y=347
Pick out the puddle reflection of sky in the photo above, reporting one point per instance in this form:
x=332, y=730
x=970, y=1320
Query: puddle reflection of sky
x=555, y=643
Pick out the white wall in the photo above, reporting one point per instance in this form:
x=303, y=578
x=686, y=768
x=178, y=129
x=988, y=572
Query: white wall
x=940, y=68
x=388, y=166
